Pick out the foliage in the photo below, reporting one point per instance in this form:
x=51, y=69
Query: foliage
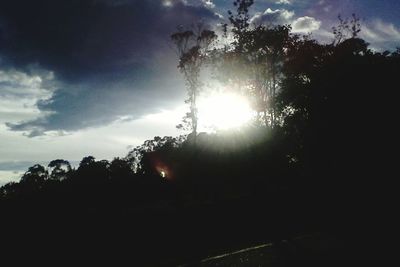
x=59, y=169
x=346, y=29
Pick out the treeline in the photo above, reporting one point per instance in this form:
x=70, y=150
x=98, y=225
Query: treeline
x=169, y=169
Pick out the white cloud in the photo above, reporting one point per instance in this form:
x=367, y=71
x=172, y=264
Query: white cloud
x=270, y=16
x=170, y=3
x=371, y=35
x=208, y=3
x=9, y=176
x=283, y=2
x=323, y=35
x=20, y=92
x=205, y=3
x=305, y=24
x=382, y=35
x=388, y=30
x=280, y=2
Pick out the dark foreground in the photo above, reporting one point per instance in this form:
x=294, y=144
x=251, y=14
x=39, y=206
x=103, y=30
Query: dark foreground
x=165, y=234
x=315, y=249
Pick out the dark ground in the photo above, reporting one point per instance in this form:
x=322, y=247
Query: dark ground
x=315, y=249
x=168, y=235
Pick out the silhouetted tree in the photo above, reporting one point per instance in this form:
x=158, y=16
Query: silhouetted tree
x=92, y=171
x=120, y=169
x=9, y=190
x=240, y=22
x=253, y=61
x=35, y=175
x=86, y=161
x=192, y=48
x=346, y=29
x=60, y=169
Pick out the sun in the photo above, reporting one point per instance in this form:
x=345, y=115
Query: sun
x=223, y=111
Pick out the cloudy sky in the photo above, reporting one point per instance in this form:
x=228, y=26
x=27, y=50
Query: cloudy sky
x=96, y=77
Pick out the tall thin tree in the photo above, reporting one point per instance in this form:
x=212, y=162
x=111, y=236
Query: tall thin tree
x=192, y=47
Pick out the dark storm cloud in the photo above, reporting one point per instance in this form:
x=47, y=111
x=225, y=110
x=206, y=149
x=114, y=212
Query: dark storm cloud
x=110, y=58
x=77, y=38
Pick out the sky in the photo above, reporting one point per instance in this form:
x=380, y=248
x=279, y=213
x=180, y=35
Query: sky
x=98, y=77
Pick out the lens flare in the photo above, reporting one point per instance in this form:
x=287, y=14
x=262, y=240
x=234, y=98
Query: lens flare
x=163, y=174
